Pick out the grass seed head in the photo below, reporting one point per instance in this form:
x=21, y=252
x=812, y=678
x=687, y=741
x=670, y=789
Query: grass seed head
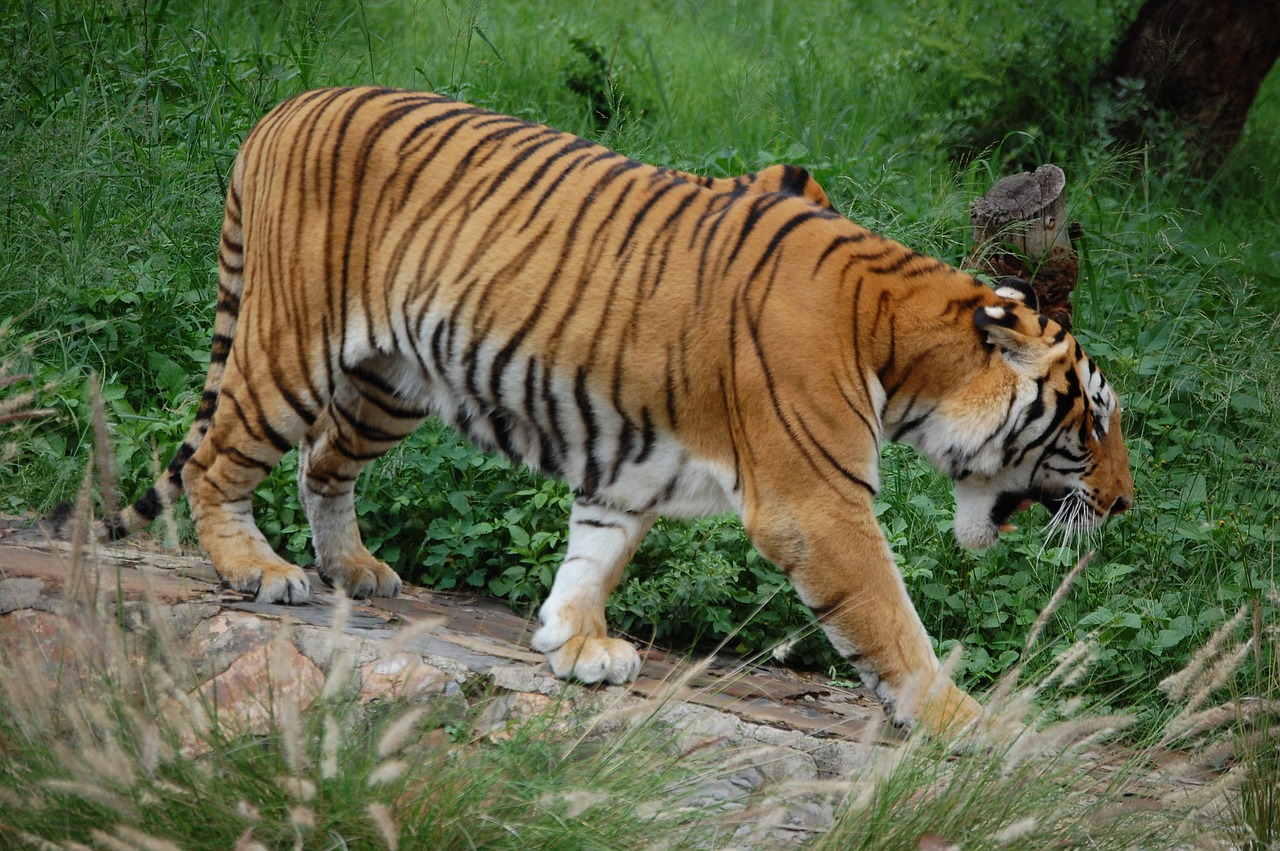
x=387, y=828
x=330, y=742
x=397, y=733
x=387, y=772
x=1176, y=685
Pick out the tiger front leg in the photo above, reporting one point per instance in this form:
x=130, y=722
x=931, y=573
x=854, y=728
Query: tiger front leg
x=573, y=635
x=836, y=556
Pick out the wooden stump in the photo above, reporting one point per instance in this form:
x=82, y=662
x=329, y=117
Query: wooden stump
x=1020, y=229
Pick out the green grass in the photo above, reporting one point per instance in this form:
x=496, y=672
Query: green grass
x=119, y=122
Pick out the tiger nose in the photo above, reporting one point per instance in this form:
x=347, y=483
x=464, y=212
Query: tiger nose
x=1121, y=505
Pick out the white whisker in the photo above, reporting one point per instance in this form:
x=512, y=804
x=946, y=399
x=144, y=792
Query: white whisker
x=1071, y=526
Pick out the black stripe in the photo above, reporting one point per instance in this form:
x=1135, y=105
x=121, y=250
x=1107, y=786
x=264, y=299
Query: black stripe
x=647, y=436
x=760, y=205
x=896, y=265
x=837, y=243
x=831, y=459
x=779, y=235
x=550, y=191
x=208, y=404
x=794, y=179
x=238, y=457
x=220, y=349
x=179, y=460
x=366, y=430
x=597, y=524
x=149, y=505
x=264, y=428
x=591, y=471
x=228, y=302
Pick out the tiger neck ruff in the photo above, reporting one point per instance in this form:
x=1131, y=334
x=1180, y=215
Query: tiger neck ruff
x=664, y=343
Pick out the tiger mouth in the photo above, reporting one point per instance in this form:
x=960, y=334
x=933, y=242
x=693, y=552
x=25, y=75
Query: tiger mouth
x=1010, y=503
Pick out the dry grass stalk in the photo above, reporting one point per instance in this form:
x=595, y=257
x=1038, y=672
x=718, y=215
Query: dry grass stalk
x=284, y=701
x=18, y=408
x=647, y=710
x=399, y=731
x=246, y=842
x=409, y=634
x=330, y=742
x=1238, y=712
x=1064, y=588
x=1006, y=685
x=1177, y=685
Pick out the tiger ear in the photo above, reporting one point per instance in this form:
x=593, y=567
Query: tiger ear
x=1016, y=289
x=998, y=326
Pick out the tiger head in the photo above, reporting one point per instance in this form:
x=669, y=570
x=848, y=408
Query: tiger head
x=1056, y=441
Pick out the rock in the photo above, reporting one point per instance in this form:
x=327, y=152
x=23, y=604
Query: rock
x=23, y=593
x=216, y=643
x=25, y=630
x=248, y=696
x=401, y=675
x=501, y=716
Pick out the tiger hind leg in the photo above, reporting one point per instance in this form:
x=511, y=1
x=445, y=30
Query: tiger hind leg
x=249, y=432
x=361, y=423
x=573, y=633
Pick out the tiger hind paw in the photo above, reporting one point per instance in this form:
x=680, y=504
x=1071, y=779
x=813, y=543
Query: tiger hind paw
x=286, y=584
x=362, y=581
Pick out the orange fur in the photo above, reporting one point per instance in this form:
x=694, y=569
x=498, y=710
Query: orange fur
x=667, y=344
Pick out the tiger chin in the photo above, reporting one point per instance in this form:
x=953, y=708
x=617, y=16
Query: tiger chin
x=668, y=345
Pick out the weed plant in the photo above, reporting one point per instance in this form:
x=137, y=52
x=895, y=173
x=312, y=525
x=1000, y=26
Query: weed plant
x=119, y=123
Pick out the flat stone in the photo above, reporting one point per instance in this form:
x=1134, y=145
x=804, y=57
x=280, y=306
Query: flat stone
x=23, y=593
x=701, y=728
x=177, y=621
x=839, y=759
x=25, y=630
x=521, y=678
x=779, y=765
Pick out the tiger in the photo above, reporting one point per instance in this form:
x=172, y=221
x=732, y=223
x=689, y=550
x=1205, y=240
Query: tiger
x=665, y=344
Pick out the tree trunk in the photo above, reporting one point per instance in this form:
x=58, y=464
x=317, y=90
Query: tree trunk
x=1020, y=229
x=1203, y=61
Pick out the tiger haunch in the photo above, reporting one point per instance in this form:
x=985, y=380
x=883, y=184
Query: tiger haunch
x=666, y=344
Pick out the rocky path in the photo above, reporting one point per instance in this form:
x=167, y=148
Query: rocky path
x=426, y=644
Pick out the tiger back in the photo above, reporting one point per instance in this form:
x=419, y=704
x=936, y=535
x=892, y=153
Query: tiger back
x=668, y=345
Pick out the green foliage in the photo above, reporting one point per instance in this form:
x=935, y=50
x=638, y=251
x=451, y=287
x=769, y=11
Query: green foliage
x=119, y=122
x=593, y=78
x=1021, y=80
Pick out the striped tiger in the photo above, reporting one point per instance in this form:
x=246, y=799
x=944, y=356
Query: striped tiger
x=664, y=343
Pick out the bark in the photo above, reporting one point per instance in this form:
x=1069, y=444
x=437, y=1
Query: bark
x=1020, y=228
x=1203, y=61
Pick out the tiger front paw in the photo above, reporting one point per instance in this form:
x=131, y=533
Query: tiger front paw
x=948, y=712
x=591, y=660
